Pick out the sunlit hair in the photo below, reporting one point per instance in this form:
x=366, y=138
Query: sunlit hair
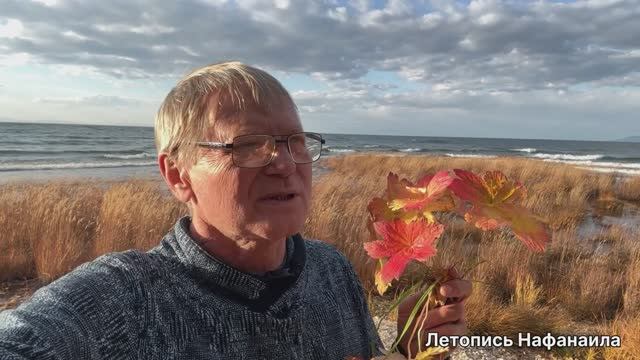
x=195, y=105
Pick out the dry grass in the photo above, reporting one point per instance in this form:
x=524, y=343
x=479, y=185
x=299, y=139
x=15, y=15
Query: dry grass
x=16, y=256
x=49, y=229
x=583, y=283
x=628, y=329
x=134, y=215
x=629, y=189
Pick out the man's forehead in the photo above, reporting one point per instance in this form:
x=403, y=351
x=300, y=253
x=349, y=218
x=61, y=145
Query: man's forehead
x=247, y=124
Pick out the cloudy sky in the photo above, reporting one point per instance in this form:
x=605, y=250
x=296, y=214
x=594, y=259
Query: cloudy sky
x=487, y=68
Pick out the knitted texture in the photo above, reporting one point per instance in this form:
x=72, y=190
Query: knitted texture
x=178, y=302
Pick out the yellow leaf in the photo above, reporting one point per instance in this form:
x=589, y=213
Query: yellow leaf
x=381, y=285
x=431, y=352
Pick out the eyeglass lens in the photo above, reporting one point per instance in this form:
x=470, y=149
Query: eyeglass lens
x=256, y=150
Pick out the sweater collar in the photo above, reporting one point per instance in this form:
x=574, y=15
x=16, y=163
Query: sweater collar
x=212, y=271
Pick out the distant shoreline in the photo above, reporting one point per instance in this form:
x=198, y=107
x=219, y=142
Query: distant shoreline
x=40, y=152
x=96, y=174
x=626, y=139
x=150, y=172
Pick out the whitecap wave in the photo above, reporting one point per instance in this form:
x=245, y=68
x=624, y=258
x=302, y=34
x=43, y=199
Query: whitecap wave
x=143, y=155
x=527, y=150
x=612, y=170
x=598, y=164
x=567, y=156
x=341, y=150
x=479, y=156
x=410, y=150
x=85, y=165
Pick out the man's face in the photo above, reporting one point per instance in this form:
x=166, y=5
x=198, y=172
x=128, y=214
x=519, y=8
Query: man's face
x=232, y=199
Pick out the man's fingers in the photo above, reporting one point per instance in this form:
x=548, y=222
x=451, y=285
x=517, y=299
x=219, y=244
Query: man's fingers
x=441, y=315
x=451, y=329
x=444, y=314
x=456, y=289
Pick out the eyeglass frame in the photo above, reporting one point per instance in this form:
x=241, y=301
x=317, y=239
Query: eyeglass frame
x=229, y=146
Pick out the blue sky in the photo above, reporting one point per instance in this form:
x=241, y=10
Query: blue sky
x=487, y=68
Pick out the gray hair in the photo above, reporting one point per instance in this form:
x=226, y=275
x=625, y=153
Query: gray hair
x=222, y=90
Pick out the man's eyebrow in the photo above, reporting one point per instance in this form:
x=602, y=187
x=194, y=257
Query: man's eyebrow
x=250, y=131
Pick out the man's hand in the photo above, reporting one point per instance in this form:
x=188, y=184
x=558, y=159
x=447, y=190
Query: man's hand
x=446, y=320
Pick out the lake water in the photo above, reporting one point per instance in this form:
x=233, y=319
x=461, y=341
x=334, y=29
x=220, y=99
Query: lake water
x=44, y=151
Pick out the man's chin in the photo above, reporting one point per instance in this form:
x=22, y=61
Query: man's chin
x=279, y=228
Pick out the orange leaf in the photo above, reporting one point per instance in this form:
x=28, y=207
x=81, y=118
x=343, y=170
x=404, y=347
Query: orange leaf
x=381, y=285
x=494, y=203
x=427, y=196
x=402, y=242
x=379, y=210
x=531, y=231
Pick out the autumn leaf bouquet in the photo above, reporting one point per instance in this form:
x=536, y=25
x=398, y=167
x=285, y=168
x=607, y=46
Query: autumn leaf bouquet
x=404, y=226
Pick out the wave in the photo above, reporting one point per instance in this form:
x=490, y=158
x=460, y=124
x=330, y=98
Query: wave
x=371, y=146
x=21, y=151
x=341, y=150
x=603, y=164
x=470, y=156
x=567, y=156
x=411, y=150
x=143, y=155
x=612, y=170
x=527, y=150
x=85, y=165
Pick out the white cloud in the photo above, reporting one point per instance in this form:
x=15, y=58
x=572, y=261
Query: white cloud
x=472, y=58
x=281, y=4
x=152, y=29
x=12, y=28
x=467, y=43
x=431, y=20
x=47, y=2
x=489, y=19
x=339, y=14
x=95, y=100
x=74, y=35
x=15, y=59
x=566, y=41
x=630, y=54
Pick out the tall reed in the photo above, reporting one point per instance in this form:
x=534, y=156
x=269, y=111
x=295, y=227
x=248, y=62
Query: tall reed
x=586, y=280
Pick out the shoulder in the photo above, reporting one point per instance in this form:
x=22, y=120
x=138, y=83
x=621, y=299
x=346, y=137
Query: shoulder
x=326, y=259
x=127, y=266
x=325, y=253
x=83, y=310
x=109, y=278
x=330, y=267
x=133, y=264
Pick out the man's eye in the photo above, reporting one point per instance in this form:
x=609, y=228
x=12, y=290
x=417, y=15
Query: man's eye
x=250, y=144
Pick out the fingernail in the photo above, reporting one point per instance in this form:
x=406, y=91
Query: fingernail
x=447, y=289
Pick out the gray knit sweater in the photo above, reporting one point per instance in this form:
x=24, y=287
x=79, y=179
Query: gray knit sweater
x=178, y=302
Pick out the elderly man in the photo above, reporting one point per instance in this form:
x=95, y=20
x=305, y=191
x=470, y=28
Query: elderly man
x=235, y=279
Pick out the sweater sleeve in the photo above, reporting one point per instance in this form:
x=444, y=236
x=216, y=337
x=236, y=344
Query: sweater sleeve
x=360, y=299
x=83, y=315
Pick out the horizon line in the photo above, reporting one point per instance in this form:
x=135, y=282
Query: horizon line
x=8, y=121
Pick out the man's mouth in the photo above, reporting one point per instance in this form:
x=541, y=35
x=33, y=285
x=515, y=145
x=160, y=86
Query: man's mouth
x=280, y=197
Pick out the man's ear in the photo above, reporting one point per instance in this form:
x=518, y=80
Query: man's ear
x=177, y=179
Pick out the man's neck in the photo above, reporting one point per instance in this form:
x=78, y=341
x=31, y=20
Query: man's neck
x=256, y=256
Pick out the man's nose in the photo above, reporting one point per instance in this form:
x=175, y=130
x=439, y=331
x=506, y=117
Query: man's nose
x=282, y=159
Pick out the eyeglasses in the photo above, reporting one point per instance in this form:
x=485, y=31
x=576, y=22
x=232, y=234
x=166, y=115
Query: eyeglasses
x=253, y=151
